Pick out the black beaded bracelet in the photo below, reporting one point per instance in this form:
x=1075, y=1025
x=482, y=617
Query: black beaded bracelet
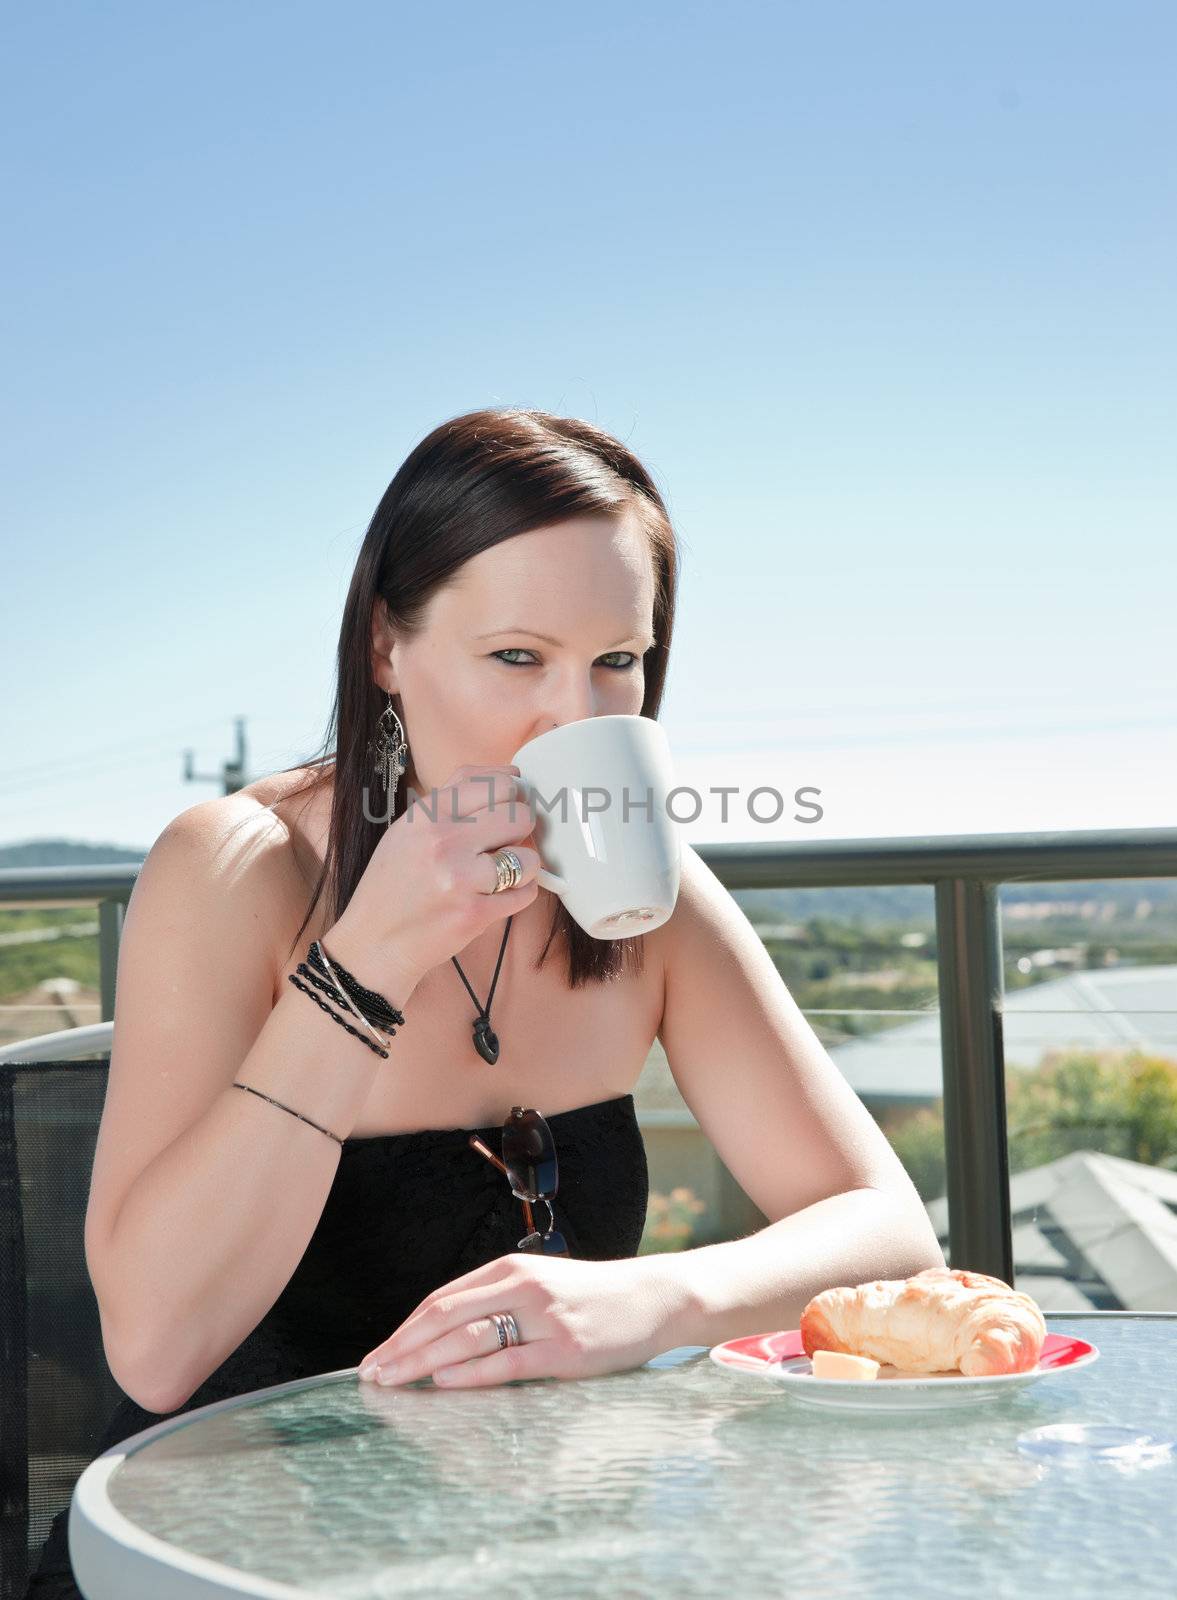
x=374, y=1006
x=323, y=1006
x=333, y=986
x=332, y=991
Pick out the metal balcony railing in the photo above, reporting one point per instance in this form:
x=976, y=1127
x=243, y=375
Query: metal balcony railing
x=965, y=871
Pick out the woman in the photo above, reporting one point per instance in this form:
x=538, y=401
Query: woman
x=284, y=1185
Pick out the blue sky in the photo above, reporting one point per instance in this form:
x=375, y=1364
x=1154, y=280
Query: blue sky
x=882, y=295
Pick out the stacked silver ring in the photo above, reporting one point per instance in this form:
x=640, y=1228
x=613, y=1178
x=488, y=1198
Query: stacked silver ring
x=506, y=1327
x=508, y=869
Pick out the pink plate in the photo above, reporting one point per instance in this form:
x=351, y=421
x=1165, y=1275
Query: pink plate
x=781, y=1357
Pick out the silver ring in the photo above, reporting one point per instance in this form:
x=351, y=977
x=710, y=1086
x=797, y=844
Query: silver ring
x=506, y=1327
x=508, y=870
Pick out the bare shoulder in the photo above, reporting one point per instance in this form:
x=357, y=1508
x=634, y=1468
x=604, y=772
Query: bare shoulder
x=706, y=924
x=694, y=933
x=250, y=849
x=760, y=1083
x=195, y=987
x=238, y=834
x=286, y=798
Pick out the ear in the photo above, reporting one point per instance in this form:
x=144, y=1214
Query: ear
x=383, y=637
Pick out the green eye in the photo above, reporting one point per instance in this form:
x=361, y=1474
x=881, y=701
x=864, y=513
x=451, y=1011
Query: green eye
x=629, y=662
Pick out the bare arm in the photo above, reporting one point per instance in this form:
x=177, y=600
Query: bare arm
x=204, y=1198
x=787, y=1125
x=763, y=1282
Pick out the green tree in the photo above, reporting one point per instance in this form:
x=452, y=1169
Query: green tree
x=1123, y=1103
x=919, y=1144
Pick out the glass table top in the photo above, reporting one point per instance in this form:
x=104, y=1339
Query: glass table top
x=676, y=1478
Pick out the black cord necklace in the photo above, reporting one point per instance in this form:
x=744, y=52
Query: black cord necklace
x=485, y=1040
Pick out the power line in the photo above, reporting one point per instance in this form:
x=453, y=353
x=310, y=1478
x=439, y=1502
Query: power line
x=40, y=773
x=232, y=773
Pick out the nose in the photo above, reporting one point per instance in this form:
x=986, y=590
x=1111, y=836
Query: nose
x=572, y=700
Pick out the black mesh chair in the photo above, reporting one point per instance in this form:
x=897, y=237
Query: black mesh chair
x=57, y=1393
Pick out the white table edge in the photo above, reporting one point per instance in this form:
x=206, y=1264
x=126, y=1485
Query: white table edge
x=117, y=1557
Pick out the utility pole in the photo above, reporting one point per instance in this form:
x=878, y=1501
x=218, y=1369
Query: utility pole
x=232, y=773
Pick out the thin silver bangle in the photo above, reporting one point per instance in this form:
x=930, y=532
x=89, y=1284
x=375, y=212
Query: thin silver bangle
x=291, y=1109
x=349, y=1003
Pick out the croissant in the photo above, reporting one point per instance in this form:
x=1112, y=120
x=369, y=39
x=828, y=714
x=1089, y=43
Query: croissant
x=938, y=1321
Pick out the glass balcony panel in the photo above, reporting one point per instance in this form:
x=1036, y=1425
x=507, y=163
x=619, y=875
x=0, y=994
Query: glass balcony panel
x=861, y=965
x=1090, y=1030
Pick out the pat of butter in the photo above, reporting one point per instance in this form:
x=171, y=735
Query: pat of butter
x=836, y=1364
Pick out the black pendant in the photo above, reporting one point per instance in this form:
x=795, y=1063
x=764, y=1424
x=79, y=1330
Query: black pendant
x=486, y=1041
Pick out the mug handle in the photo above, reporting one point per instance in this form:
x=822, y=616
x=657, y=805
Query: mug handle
x=551, y=880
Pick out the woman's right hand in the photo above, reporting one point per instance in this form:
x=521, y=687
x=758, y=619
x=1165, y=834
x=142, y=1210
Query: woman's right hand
x=427, y=890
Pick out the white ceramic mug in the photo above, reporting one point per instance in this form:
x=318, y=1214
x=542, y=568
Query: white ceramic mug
x=596, y=790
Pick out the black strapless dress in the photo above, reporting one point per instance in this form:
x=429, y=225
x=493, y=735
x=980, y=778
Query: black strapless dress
x=407, y=1212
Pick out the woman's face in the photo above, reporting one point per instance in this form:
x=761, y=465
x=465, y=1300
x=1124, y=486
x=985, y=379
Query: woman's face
x=478, y=681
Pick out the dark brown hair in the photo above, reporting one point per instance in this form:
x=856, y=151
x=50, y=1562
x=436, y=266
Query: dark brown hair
x=476, y=480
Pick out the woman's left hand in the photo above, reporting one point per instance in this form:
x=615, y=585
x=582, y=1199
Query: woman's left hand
x=577, y=1319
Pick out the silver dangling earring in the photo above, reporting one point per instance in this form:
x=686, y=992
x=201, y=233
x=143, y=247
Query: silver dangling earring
x=391, y=753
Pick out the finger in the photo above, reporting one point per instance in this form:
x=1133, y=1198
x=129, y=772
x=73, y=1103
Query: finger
x=475, y=767
x=508, y=816
x=433, y=1322
x=490, y=791
x=478, y=776
x=472, y=1295
x=516, y=1363
x=472, y=1340
x=528, y=861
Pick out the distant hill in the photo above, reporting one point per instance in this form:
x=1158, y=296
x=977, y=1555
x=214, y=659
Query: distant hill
x=889, y=903
x=914, y=903
x=68, y=853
